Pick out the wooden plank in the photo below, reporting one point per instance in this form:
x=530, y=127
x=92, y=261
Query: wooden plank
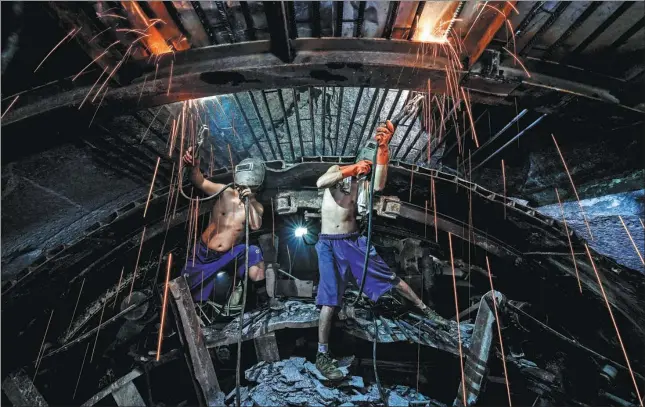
x=192, y=338
x=266, y=348
x=20, y=390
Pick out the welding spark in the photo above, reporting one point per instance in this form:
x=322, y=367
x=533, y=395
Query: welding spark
x=510, y=27
x=76, y=306
x=470, y=116
x=126, y=30
x=504, y=183
x=145, y=79
x=152, y=184
x=98, y=331
x=163, y=308
x=566, y=229
x=573, y=186
x=613, y=320
x=110, y=15
x=96, y=36
x=642, y=224
x=461, y=356
x=92, y=88
x=95, y=59
x=434, y=206
x=513, y=7
x=98, y=107
x=8, y=108
x=499, y=329
x=494, y=8
x=68, y=36
x=518, y=61
x=81, y=372
x=118, y=288
x=42, y=345
x=150, y=125
x=170, y=78
x=631, y=239
x=136, y=265
x=474, y=22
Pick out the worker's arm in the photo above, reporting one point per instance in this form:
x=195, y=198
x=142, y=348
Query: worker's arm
x=383, y=137
x=255, y=211
x=336, y=174
x=196, y=176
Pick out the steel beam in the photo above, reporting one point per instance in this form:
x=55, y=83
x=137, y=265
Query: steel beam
x=358, y=25
x=593, y=6
x=275, y=133
x=380, y=108
x=128, y=396
x=338, y=21
x=20, y=391
x=248, y=125
x=192, y=23
x=415, y=20
x=192, y=338
x=315, y=18
x=499, y=133
x=367, y=118
x=276, y=14
x=128, y=378
x=476, y=361
x=600, y=29
x=562, y=6
x=294, y=95
x=286, y=122
x=338, y=115
x=248, y=19
x=479, y=38
x=264, y=129
x=392, y=12
x=351, y=120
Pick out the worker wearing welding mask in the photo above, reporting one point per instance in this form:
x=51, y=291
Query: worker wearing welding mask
x=341, y=249
x=220, y=245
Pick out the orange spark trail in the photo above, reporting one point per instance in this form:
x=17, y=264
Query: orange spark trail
x=434, y=206
x=163, y=308
x=170, y=78
x=95, y=59
x=111, y=15
x=92, y=88
x=99, y=106
x=8, y=108
x=504, y=182
x=152, y=184
x=98, y=331
x=145, y=79
x=513, y=7
x=81, y=372
x=573, y=186
x=76, y=306
x=134, y=276
x=518, y=61
x=69, y=35
x=42, y=345
x=613, y=320
x=632, y=240
x=470, y=116
x=499, y=330
x=454, y=285
x=474, y=22
x=93, y=38
x=496, y=9
x=112, y=73
x=150, y=125
x=510, y=27
x=566, y=229
x=118, y=287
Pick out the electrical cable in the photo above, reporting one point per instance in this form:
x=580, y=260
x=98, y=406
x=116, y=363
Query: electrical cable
x=376, y=378
x=238, y=399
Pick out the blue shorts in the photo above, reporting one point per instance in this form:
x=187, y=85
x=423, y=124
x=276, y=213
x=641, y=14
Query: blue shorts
x=342, y=256
x=201, y=275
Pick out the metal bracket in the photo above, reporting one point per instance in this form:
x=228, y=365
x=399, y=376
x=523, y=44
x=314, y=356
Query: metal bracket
x=289, y=202
x=388, y=207
x=285, y=204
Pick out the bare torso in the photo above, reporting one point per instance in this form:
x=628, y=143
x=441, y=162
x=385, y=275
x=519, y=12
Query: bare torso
x=226, y=226
x=338, y=210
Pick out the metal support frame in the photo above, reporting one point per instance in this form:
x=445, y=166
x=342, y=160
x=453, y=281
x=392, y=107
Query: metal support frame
x=276, y=14
x=415, y=21
x=124, y=380
x=312, y=128
x=380, y=108
x=338, y=22
x=286, y=122
x=315, y=18
x=266, y=348
x=248, y=20
x=414, y=143
x=248, y=125
x=192, y=337
x=294, y=95
x=323, y=119
x=476, y=361
x=392, y=11
x=573, y=27
x=264, y=129
x=351, y=120
x=358, y=25
x=223, y=17
x=600, y=29
x=275, y=133
x=562, y=6
x=499, y=133
x=128, y=396
x=201, y=15
x=463, y=136
x=361, y=135
x=338, y=115
x=405, y=137
x=20, y=390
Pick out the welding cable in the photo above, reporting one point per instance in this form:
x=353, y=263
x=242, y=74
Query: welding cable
x=376, y=378
x=246, y=281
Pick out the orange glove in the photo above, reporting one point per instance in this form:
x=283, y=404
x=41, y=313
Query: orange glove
x=383, y=137
x=354, y=170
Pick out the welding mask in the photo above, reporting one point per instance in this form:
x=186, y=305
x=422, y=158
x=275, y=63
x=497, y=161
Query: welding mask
x=249, y=173
x=367, y=152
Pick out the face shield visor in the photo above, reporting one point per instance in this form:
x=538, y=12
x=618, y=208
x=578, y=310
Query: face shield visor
x=249, y=173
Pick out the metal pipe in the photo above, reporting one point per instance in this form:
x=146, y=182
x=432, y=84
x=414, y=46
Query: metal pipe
x=520, y=134
x=499, y=133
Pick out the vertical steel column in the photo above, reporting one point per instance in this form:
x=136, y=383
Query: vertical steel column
x=338, y=116
x=275, y=133
x=248, y=125
x=392, y=12
x=286, y=123
x=351, y=121
x=367, y=117
x=297, y=108
x=311, y=121
x=264, y=129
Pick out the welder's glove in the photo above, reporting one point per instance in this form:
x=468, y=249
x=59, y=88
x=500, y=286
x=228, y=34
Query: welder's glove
x=189, y=159
x=383, y=137
x=355, y=170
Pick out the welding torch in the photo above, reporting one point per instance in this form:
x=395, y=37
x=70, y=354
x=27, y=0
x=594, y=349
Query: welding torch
x=409, y=110
x=196, y=151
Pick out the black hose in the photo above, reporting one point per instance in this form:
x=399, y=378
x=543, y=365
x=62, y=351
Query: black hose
x=238, y=401
x=374, y=340
x=208, y=198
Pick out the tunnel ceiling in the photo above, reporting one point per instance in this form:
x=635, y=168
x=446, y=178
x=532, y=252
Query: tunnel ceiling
x=103, y=83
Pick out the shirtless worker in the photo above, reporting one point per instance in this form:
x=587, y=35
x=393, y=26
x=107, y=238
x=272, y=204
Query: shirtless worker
x=341, y=251
x=219, y=244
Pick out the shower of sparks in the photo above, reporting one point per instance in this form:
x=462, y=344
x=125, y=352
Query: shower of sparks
x=170, y=78
x=566, y=230
x=69, y=35
x=9, y=107
x=642, y=224
x=81, y=372
x=434, y=206
x=504, y=183
x=164, y=307
x=613, y=320
x=95, y=59
x=510, y=27
x=98, y=107
x=454, y=285
x=98, y=331
x=631, y=239
x=499, y=330
x=575, y=191
x=118, y=288
x=470, y=116
x=111, y=15
x=136, y=265
x=152, y=185
x=42, y=345
x=118, y=65
x=518, y=61
x=150, y=125
x=76, y=306
x=475, y=22
x=92, y=88
x=145, y=79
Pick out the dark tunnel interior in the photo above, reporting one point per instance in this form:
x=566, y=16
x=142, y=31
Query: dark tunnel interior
x=498, y=224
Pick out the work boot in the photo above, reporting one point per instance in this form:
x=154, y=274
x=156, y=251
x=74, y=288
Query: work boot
x=328, y=366
x=430, y=314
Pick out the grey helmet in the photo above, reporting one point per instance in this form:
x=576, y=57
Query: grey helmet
x=249, y=173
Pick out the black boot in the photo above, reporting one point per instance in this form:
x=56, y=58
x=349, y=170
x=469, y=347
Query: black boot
x=264, y=300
